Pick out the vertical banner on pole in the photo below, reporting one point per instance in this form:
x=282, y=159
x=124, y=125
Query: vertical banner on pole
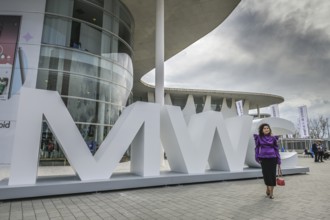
x=303, y=121
x=9, y=31
x=239, y=107
x=274, y=111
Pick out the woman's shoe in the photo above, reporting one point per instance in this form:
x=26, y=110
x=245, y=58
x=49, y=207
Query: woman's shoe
x=271, y=197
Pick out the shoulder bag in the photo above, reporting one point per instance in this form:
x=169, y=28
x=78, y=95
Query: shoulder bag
x=280, y=180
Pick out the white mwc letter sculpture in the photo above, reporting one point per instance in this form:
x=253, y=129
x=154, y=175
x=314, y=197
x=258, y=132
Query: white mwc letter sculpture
x=207, y=139
x=139, y=125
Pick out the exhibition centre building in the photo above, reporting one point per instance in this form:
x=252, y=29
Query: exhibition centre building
x=94, y=54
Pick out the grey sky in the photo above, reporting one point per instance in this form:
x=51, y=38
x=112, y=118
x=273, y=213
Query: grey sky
x=278, y=47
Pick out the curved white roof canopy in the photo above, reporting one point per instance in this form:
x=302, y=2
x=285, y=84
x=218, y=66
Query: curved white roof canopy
x=256, y=100
x=186, y=21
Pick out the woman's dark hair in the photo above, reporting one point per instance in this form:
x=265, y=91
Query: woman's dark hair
x=261, y=127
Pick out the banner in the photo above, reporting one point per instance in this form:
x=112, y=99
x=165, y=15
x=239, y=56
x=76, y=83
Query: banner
x=303, y=121
x=9, y=32
x=274, y=111
x=239, y=107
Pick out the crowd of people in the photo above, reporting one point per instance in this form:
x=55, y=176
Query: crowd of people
x=319, y=152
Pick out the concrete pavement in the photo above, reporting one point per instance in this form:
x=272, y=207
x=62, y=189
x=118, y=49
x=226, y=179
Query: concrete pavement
x=305, y=196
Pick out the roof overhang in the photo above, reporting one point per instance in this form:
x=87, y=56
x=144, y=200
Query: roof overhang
x=256, y=100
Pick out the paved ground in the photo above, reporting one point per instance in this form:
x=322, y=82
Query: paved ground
x=303, y=197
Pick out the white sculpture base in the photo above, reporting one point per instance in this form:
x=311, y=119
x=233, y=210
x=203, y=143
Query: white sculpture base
x=49, y=186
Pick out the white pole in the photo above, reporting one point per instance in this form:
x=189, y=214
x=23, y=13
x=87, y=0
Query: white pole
x=327, y=146
x=159, y=61
x=328, y=128
x=159, y=53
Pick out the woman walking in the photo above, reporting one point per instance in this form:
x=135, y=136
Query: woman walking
x=267, y=154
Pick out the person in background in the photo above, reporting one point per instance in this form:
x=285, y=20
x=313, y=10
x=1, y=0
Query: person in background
x=92, y=146
x=308, y=153
x=50, y=146
x=326, y=154
x=315, y=151
x=267, y=154
x=320, y=151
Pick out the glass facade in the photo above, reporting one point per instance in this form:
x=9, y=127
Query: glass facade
x=86, y=55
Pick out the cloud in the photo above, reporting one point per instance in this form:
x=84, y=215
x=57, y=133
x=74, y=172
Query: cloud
x=277, y=47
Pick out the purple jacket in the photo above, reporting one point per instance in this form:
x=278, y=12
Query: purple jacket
x=266, y=147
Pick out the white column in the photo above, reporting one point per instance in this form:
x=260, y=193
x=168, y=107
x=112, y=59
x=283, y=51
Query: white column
x=159, y=61
x=159, y=53
x=258, y=111
x=168, y=100
x=101, y=116
x=246, y=107
x=207, y=104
